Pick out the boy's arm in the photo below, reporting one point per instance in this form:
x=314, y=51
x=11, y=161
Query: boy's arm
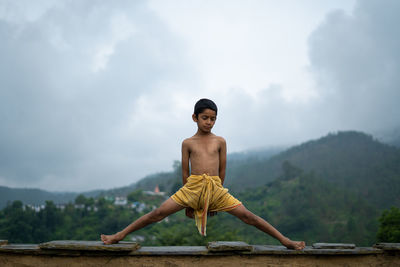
x=222, y=160
x=185, y=172
x=185, y=161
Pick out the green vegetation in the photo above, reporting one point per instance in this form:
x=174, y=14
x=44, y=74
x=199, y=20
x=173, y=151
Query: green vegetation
x=333, y=189
x=389, y=226
x=299, y=204
x=352, y=160
x=87, y=218
x=21, y=224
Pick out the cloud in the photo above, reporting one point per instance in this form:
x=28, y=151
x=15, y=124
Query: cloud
x=98, y=94
x=70, y=74
x=356, y=64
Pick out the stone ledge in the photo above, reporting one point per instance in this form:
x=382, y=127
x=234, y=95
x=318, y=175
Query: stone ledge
x=93, y=248
x=388, y=246
x=333, y=246
x=89, y=246
x=281, y=250
x=224, y=246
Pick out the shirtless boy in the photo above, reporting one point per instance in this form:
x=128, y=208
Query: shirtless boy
x=203, y=192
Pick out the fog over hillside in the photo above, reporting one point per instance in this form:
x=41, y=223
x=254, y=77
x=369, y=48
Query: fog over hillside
x=352, y=160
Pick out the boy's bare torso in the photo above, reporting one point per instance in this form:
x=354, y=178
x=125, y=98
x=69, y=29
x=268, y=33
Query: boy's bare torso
x=204, y=153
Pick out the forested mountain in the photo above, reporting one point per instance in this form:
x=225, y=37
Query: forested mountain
x=328, y=190
x=260, y=153
x=32, y=196
x=352, y=160
x=309, y=208
x=300, y=205
x=167, y=181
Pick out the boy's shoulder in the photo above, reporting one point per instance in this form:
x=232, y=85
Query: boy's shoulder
x=194, y=139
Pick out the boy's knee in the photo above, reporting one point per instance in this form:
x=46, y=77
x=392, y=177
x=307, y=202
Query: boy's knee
x=156, y=215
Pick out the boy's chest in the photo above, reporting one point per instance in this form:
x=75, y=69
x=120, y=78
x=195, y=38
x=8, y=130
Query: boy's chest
x=204, y=148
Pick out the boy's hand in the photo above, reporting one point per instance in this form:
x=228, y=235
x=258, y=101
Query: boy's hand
x=189, y=213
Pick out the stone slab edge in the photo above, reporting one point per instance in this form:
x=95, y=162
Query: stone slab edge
x=221, y=246
x=388, y=246
x=89, y=246
x=333, y=246
x=170, y=250
x=308, y=250
x=32, y=249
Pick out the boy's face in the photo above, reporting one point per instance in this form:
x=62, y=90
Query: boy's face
x=205, y=120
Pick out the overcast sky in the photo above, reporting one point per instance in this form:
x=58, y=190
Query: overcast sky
x=98, y=94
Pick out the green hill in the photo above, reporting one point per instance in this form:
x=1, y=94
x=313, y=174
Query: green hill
x=32, y=196
x=299, y=204
x=352, y=160
x=326, y=190
x=39, y=197
x=306, y=207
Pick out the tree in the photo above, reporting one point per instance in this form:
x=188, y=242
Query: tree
x=80, y=200
x=290, y=171
x=177, y=180
x=389, y=226
x=136, y=195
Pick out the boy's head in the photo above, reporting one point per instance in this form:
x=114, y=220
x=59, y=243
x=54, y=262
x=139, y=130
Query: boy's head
x=203, y=104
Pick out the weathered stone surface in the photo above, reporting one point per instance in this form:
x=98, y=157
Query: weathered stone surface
x=89, y=245
x=3, y=242
x=20, y=248
x=333, y=246
x=171, y=250
x=97, y=249
x=388, y=246
x=217, y=246
x=281, y=250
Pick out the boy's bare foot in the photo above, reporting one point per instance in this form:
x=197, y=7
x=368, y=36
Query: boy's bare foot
x=111, y=239
x=297, y=245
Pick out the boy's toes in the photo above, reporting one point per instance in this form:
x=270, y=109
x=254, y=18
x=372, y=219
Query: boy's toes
x=300, y=245
x=105, y=239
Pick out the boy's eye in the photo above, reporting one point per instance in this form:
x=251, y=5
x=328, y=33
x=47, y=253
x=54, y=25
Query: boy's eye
x=206, y=117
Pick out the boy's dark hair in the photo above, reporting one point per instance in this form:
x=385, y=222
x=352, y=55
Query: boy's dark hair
x=204, y=103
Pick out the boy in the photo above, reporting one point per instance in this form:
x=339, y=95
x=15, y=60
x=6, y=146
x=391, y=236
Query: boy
x=202, y=192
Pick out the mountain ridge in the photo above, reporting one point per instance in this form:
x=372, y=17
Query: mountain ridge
x=349, y=159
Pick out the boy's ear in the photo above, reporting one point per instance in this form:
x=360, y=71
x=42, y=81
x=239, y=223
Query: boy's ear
x=194, y=117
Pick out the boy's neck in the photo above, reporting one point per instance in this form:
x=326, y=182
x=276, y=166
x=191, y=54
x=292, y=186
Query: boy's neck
x=201, y=133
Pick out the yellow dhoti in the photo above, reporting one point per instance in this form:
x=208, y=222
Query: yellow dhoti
x=204, y=194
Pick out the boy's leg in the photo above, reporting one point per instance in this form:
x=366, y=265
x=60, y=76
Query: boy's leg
x=250, y=218
x=167, y=207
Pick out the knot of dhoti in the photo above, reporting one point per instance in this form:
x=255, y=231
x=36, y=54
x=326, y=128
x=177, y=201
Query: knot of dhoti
x=204, y=193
